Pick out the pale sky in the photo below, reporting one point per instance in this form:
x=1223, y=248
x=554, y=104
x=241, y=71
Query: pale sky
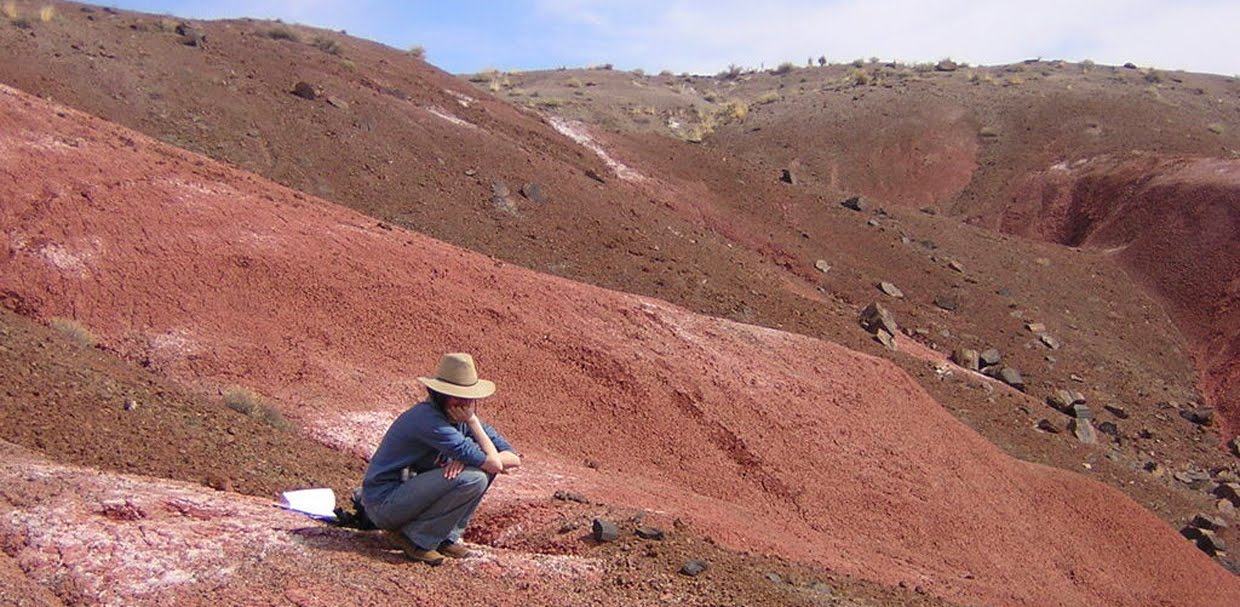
x=705, y=37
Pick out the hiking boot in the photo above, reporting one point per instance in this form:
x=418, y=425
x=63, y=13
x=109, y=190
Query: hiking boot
x=455, y=550
x=430, y=557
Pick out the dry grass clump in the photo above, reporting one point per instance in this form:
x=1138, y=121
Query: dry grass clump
x=282, y=33
x=767, y=97
x=247, y=402
x=736, y=109
x=9, y=10
x=418, y=52
x=327, y=45
x=573, y=83
x=74, y=330
x=47, y=13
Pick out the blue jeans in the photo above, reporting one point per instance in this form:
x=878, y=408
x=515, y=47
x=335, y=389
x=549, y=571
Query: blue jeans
x=430, y=509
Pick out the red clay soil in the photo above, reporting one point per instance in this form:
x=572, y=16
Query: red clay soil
x=769, y=441
x=1172, y=221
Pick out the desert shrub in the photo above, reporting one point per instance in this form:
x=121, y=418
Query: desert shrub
x=549, y=102
x=732, y=73
x=74, y=330
x=348, y=64
x=282, y=33
x=665, y=74
x=859, y=77
x=1014, y=81
x=784, y=68
x=736, y=109
x=1153, y=75
x=47, y=13
x=327, y=45
x=922, y=68
x=1087, y=64
x=484, y=76
x=418, y=52
x=712, y=97
x=639, y=72
x=573, y=83
x=858, y=62
x=602, y=66
x=822, y=60
x=249, y=403
x=767, y=97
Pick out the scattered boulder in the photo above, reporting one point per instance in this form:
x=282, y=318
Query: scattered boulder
x=1036, y=327
x=1083, y=430
x=855, y=203
x=966, y=358
x=649, y=533
x=1047, y=425
x=1130, y=66
x=499, y=197
x=1205, y=521
x=1062, y=399
x=788, y=177
x=1109, y=428
x=1209, y=542
x=989, y=357
x=569, y=496
x=890, y=289
x=1117, y=411
x=533, y=191
x=191, y=36
x=1081, y=412
x=693, y=568
x=1049, y=341
x=1201, y=417
x=887, y=339
x=946, y=65
x=1229, y=492
x=605, y=531
x=946, y=302
x=305, y=90
x=1012, y=378
x=875, y=317
x=822, y=266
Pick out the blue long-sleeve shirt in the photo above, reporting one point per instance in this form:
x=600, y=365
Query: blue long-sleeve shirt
x=417, y=438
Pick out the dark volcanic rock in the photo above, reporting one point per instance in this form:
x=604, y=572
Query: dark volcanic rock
x=693, y=568
x=305, y=90
x=946, y=302
x=787, y=177
x=605, y=531
x=855, y=203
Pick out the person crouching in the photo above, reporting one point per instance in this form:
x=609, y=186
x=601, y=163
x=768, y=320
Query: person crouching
x=435, y=463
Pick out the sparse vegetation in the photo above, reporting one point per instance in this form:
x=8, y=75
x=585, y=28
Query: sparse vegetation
x=732, y=73
x=74, y=330
x=858, y=62
x=573, y=83
x=1153, y=75
x=47, y=13
x=549, y=102
x=767, y=97
x=249, y=403
x=859, y=77
x=784, y=68
x=9, y=10
x=736, y=109
x=418, y=52
x=327, y=45
x=282, y=33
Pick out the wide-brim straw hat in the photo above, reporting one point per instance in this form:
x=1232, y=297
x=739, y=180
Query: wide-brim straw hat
x=458, y=377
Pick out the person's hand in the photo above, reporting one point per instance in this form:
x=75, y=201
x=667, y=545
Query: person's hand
x=452, y=468
x=492, y=465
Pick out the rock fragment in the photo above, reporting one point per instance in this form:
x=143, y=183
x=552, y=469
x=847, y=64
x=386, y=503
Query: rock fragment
x=947, y=302
x=649, y=533
x=788, y=177
x=1047, y=425
x=1049, y=341
x=875, y=317
x=890, y=289
x=1036, y=327
x=1083, y=430
x=855, y=203
x=1117, y=411
x=1229, y=492
x=533, y=191
x=693, y=568
x=822, y=266
x=605, y=531
x=887, y=339
x=1012, y=377
x=1201, y=417
x=1081, y=412
x=569, y=496
x=1205, y=521
x=305, y=90
x=989, y=357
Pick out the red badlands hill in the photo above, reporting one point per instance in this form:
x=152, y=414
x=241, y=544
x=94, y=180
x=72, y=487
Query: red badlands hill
x=770, y=441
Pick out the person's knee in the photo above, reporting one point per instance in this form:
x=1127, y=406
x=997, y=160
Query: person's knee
x=473, y=479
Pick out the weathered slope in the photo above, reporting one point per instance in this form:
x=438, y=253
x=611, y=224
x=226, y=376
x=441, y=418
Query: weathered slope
x=1175, y=222
x=772, y=441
